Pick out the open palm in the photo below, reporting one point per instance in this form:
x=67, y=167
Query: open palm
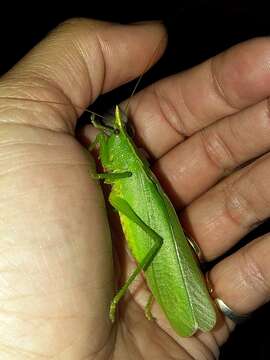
x=200, y=127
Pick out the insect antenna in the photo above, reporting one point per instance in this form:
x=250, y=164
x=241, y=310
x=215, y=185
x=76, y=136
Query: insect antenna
x=105, y=122
x=55, y=103
x=147, y=67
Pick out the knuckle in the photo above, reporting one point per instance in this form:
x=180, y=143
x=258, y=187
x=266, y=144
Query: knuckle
x=267, y=113
x=217, y=151
x=180, y=118
x=217, y=84
x=252, y=273
x=169, y=112
x=238, y=207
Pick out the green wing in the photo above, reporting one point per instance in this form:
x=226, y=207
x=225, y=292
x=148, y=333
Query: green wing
x=196, y=298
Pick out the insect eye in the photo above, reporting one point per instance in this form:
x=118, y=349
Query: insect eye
x=130, y=130
x=116, y=131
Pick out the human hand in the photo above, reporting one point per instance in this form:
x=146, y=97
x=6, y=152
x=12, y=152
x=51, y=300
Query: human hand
x=57, y=269
x=212, y=158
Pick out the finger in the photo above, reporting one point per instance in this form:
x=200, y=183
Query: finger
x=191, y=168
x=78, y=61
x=222, y=216
x=181, y=105
x=242, y=280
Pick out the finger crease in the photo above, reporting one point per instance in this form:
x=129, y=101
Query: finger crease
x=168, y=112
x=103, y=61
x=238, y=209
x=253, y=274
x=217, y=151
x=268, y=108
x=89, y=80
x=196, y=123
x=218, y=87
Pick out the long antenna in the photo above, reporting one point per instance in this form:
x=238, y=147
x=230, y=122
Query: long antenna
x=52, y=102
x=147, y=67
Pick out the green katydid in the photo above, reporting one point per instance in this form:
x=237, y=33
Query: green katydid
x=154, y=234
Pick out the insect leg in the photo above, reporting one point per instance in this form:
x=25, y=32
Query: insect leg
x=110, y=177
x=123, y=207
x=100, y=139
x=148, y=306
x=195, y=247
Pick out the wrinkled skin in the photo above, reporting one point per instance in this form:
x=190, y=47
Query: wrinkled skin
x=57, y=268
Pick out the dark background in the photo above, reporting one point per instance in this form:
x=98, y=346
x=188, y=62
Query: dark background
x=197, y=30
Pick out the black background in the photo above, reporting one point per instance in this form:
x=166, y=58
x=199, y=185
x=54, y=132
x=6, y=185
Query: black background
x=197, y=30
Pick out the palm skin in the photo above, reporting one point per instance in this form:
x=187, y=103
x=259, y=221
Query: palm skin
x=57, y=268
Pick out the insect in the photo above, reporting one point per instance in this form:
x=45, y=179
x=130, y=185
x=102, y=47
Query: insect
x=153, y=232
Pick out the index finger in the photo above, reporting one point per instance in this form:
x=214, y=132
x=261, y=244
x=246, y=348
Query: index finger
x=182, y=104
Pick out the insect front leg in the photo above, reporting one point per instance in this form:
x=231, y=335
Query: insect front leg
x=110, y=177
x=148, y=307
x=123, y=207
x=101, y=139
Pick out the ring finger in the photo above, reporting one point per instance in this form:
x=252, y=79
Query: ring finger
x=222, y=216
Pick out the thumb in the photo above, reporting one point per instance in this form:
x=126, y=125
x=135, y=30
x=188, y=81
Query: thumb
x=75, y=63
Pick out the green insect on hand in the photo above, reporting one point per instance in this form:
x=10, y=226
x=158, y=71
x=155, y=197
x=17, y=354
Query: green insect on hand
x=154, y=235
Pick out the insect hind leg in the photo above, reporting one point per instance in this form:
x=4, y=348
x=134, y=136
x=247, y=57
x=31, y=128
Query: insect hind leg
x=122, y=206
